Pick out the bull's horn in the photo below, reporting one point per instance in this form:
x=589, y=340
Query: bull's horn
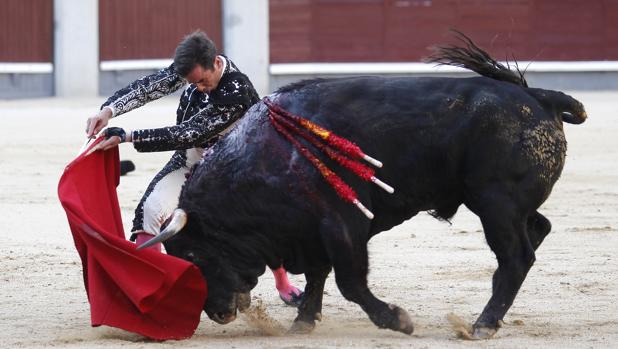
x=179, y=220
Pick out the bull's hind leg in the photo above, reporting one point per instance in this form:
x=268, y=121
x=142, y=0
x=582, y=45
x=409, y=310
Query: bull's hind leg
x=350, y=262
x=310, y=308
x=505, y=230
x=538, y=228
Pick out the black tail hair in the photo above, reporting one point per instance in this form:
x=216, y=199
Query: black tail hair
x=474, y=58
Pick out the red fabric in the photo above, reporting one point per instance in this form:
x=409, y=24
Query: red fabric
x=146, y=292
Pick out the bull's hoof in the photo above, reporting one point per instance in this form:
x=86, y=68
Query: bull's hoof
x=480, y=330
x=483, y=332
x=302, y=327
x=403, y=323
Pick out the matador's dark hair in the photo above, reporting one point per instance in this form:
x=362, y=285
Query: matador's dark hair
x=195, y=48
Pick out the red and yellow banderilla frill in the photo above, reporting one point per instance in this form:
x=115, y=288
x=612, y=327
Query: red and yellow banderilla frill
x=288, y=125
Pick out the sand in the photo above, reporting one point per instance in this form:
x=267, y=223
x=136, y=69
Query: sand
x=431, y=269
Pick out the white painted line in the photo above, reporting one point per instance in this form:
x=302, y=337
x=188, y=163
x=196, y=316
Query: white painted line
x=417, y=67
x=138, y=64
x=26, y=68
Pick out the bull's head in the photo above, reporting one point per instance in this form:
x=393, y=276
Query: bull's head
x=228, y=286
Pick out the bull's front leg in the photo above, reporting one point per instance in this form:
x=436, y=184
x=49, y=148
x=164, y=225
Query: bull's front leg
x=310, y=308
x=350, y=262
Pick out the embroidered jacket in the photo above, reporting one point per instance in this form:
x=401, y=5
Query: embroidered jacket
x=200, y=117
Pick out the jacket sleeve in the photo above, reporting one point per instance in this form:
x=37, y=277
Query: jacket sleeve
x=232, y=98
x=144, y=90
x=192, y=133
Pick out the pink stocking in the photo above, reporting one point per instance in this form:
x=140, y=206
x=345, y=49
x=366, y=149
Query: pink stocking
x=143, y=237
x=288, y=293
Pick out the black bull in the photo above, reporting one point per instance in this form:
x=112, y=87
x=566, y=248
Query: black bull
x=490, y=143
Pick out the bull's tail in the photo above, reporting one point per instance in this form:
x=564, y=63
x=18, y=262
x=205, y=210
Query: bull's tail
x=567, y=108
x=474, y=58
x=471, y=57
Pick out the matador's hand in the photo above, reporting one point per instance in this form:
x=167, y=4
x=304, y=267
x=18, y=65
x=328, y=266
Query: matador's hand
x=113, y=137
x=96, y=123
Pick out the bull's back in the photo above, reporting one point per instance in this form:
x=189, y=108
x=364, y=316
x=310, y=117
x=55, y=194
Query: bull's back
x=436, y=135
x=432, y=134
x=428, y=119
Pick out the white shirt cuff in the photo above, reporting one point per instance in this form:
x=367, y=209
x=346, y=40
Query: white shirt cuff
x=111, y=109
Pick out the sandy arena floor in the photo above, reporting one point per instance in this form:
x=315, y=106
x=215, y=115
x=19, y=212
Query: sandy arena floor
x=569, y=300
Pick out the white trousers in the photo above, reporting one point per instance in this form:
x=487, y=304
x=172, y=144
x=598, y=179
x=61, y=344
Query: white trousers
x=163, y=200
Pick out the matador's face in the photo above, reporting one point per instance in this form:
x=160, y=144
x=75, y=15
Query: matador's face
x=206, y=80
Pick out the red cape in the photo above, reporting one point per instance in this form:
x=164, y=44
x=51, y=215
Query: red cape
x=146, y=292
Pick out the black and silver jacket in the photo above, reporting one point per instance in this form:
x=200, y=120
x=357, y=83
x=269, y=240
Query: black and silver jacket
x=200, y=117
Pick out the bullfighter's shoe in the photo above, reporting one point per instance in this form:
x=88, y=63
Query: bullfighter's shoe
x=292, y=298
x=289, y=294
x=126, y=166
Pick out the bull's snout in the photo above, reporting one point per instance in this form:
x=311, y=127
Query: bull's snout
x=223, y=318
x=226, y=312
x=243, y=301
